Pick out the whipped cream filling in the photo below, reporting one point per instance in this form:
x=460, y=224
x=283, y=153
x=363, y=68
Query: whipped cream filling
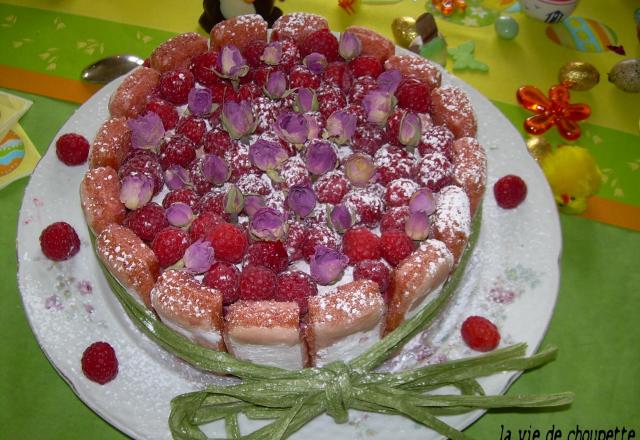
x=211, y=337
x=349, y=347
x=289, y=357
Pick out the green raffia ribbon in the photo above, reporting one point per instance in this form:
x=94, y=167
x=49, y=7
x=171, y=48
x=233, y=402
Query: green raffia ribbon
x=293, y=398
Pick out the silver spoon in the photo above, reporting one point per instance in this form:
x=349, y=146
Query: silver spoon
x=108, y=69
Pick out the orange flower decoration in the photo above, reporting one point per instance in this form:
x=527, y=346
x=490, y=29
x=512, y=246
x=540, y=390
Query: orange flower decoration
x=448, y=7
x=553, y=110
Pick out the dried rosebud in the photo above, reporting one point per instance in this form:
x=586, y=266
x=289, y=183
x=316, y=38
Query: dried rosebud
x=267, y=155
x=233, y=200
x=200, y=101
x=350, y=46
x=321, y=157
x=359, y=169
x=315, y=62
x=179, y=214
x=424, y=201
x=292, y=127
x=341, y=126
x=272, y=54
x=389, y=80
x=378, y=105
x=238, y=119
x=198, y=257
x=341, y=218
x=306, y=101
x=327, y=265
x=252, y=203
x=215, y=169
x=315, y=126
x=136, y=190
x=410, y=129
x=268, y=224
x=230, y=63
x=276, y=84
x=301, y=200
x=146, y=131
x=176, y=177
x=417, y=225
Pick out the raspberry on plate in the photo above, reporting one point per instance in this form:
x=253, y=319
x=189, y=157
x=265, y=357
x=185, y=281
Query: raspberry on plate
x=147, y=221
x=365, y=65
x=322, y=42
x=510, y=191
x=169, y=245
x=229, y=242
x=296, y=286
x=72, y=149
x=257, y=283
x=193, y=128
x=480, y=334
x=374, y=270
x=179, y=150
x=225, y=278
x=360, y=244
x=202, y=66
x=99, y=362
x=166, y=111
x=175, y=86
x=396, y=246
x=414, y=95
x=202, y=224
x=270, y=254
x=59, y=241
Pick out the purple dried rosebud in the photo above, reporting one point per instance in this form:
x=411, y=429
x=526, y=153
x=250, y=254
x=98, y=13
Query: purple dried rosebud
x=292, y=127
x=359, y=169
x=198, y=257
x=136, y=190
x=268, y=224
x=341, y=126
x=410, y=129
x=233, y=200
x=389, y=80
x=238, y=119
x=341, y=218
x=200, y=101
x=176, y=177
x=326, y=265
x=315, y=62
x=378, y=106
x=350, y=46
x=423, y=200
x=417, y=225
x=179, y=214
x=272, y=54
x=230, y=63
x=215, y=169
x=267, y=155
x=301, y=200
x=321, y=157
x=146, y=131
x=306, y=101
x=276, y=84
x=252, y=203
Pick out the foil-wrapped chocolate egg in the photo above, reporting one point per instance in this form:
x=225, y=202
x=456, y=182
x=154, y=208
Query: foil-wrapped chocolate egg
x=538, y=147
x=578, y=75
x=404, y=30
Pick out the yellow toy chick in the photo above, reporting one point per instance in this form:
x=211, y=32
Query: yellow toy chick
x=574, y=176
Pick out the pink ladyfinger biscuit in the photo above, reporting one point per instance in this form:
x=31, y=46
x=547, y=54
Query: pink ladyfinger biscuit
x=415, y=67
x=451, y=223
x=238, y=31
x=450, y=106
x=470, y=169
x=130, y=98
x=111, y=144
x=100, y=198
x=373, y=43
x=297, y=26
x=176, y=52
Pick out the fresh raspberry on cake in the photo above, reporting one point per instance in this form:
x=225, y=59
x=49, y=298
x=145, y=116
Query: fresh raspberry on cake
x=302, y=77
x=338, y=75
x=59, y=241
x=165, y=110
x=330, y=100
x=202, y=224
x=257, y=283
x=217, y=141
x=394, y=218
x=332, y=187
x=252, y=52
x=510, y=191
x=365, y=65
x=392, y=129
x=169, y=245
x=436, y=139
x=175, y=86
x=212, y=202
x=396, y=246
x=294, y=172
x=290, y=54
x=414, y=95
x=296, y=234
x=271, y=254
x=222, y=92
x=182, y=195
x=193, y=128
x=249, y=91
x=203, y=68
x=374, y=270
x=199, y=182
x=179, y=150
x=366, y=203
x=72, y=149
x=145, y=162
x=360, y=88
x=229, y=242
x=360, y=244
x=480, y=334
x=322, y=42
x=368, y=139
x=296, y=286
x=99, y=362
x=434, y=171
x=399, y=192
x=254, y=184
x=239, y=163
x=318, y=234
x=393, y=163
x=225, y=278
x=147, y=221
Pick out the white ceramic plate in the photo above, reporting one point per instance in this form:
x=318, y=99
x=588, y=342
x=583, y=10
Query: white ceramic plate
x=512, y=279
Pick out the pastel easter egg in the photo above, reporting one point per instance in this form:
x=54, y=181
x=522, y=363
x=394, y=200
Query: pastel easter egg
x=549, y=11
x=582, y=34
x=506, y=27
x=11, y=153
x=626, y=75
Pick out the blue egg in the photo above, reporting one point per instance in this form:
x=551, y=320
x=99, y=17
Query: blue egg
x=506, y=27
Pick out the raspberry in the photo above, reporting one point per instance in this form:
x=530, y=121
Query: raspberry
x=338, y=75
x=249, y=91
x=166, y=111
x=399, y=192
x=434, y=171
x=193, y=128
x=140, y=161
x=332, y=187
x=99, y=362
x=200, y=183
x=360, y=244
x=169, y=245
x=253, y=184
x=183, y=195
x=393, y=163
x=222, y=92
x=365, y=65
x=480, y=334
x=240, y=164
x=392, y=129
x=323, y=42
x=296, y=286
x=202, y=67
x=59, y=241
x=394, y=218
x=330, y=99
x=358, y=111
x=217, y=141
x=72, y=149
x=374, y=270
x=318, y=233
x=368, y=139
x=229, y=242
x=179, y=150
x=175, y=86
x=414, y=95
x=290, y=55
x=261, y=74
x=367, y=205
x=253, y=51
x=295, y=239
x=437, y=139
x=396, y=246
x=225, y=278
x=212, y=202
x=510, y=191
x=360, y=88
x=300, y=76
x=270, y=254
x=266, y=111
x=202, y=224
x=257, y=283
x=147, y=221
